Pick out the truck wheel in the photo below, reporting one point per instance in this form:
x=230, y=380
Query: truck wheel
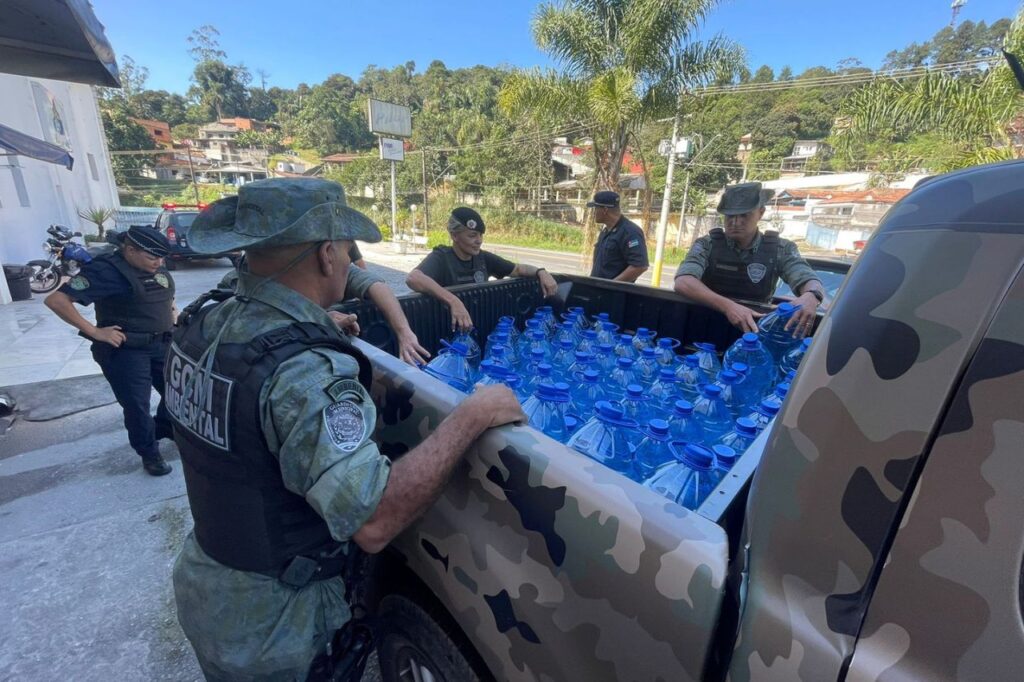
x=414, y=648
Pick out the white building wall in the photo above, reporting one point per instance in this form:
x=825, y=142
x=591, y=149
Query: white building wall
x=54, y=194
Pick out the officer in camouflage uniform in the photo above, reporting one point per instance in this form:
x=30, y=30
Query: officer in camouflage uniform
x=741, y=263
x=273, y=420
x=134, y=298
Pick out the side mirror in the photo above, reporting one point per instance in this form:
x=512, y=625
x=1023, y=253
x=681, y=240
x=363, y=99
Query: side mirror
x=1016, y=67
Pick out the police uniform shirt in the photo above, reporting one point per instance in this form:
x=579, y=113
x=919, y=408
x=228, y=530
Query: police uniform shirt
x=617, y=248
x=791, y=266
x=343, y=482
x=98, y=279
x=434, y=267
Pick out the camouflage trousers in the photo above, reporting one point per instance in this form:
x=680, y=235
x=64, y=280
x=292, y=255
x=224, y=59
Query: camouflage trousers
x=247, y=626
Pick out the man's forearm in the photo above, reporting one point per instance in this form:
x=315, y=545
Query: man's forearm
x=524, y=270
x=418, y=478
x=61, y=304
x=631, y=273
x=389, y=306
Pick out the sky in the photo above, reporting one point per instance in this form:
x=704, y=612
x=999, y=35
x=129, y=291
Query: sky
x=308, y=40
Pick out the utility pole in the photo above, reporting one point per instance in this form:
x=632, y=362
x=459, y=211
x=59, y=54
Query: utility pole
x=666, y=199
x=394, y=203
x=682, y=211
x=192, y=172
x=426, y=199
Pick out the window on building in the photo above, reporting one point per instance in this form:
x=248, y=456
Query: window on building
x=158, y=133
x=93, y=171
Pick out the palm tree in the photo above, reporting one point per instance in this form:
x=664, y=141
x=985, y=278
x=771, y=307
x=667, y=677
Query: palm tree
x=97, y=216
x=623, y=63
x=973, y=116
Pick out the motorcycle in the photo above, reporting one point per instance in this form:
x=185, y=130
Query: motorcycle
x=65, y=259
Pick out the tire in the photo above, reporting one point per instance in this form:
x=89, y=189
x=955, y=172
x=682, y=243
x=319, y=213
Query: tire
x=414, y=647
x=44, y=279
x=170, y=264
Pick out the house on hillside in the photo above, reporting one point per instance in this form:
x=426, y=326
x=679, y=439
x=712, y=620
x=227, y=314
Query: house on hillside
x=159, y=132
x=803, y=151
x=745, y=148
x=338, y=161
x=847, y=217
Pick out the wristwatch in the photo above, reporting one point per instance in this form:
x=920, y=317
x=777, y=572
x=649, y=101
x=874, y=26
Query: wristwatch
x=817, y=293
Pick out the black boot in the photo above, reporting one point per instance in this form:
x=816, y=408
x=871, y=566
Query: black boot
x=156, y=466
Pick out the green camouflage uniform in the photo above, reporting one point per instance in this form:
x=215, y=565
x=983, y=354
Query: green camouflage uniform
x=791, y=266
x=246, y=625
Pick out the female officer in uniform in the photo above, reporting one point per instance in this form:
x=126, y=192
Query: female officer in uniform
x=134, y=297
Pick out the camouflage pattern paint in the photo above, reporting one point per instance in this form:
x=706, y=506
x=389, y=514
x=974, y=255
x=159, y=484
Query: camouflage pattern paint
x=863, y=412
x=555, y=567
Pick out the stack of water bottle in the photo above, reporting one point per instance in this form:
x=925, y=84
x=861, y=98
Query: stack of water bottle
x=675, y=423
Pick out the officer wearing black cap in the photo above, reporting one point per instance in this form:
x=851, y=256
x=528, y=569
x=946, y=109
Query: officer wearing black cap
x=464, y=262
x=134, y=298
x=621, y=251
x=740, y=262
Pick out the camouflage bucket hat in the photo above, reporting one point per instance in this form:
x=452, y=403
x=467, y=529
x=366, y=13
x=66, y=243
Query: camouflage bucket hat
x=280, y=212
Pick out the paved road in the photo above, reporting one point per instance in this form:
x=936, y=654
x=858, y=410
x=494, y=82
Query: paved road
x=569, y=263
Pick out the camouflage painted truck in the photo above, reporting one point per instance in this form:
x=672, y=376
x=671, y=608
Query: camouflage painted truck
x=875, y=532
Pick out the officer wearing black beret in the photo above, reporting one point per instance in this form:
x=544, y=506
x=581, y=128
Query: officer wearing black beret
x=465, y=262
x=134, y=298
x=740, y=262
x=621, y=251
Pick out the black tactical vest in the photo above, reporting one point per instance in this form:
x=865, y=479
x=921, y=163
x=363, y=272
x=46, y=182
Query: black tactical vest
x=753, y=280
x=244, y=516
x=456, y=273
x=147, y=309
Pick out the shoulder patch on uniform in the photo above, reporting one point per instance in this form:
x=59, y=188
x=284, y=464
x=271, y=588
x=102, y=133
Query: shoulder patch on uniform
x=162, y=280
x=698, y=247
x=756, y=272
x=79, y=283
x=633, y=243
x=345, y=389
x=345, y=424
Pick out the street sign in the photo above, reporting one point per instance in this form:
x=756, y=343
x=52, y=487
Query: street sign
x=391, y=149
x=684, y=147
x=390, y=119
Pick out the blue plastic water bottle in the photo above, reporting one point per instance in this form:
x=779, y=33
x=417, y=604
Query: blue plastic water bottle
x=763, y=414
x=664, y=391
x=707, y=358
x=607, y=437
x=624, y=347
x=636, y=404
x=501, y=339
x=688, y=481
x=725, y=460
x=547, y=317
x=742, y=435
x=729, y=382
x=621, y=377
x=778, y=396
x=544, y=374
x=653, y=451
x=690, y=377
x=582, y=361
x=547, y=408
x=604, y=358
x=473, y=352
x=535, y=339
x=791, y=360
x=508, y=323
x=599, y=320
x=608, y=333
x=499, y=356
x=712, y=413
x=563, y=357
x=491, y=373
x=564, y=331
x=451, y=366
x=588, y=393
x=748, y=350
x=682, y=424
x=588, y=341
x=515, y=381
x=667, y=351
x=647, y=366
x=774, y=335
x=644, y=338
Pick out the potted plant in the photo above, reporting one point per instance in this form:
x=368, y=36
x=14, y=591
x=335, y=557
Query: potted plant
x=98, y=216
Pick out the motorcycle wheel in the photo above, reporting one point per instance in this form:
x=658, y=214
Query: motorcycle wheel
x=44, y=278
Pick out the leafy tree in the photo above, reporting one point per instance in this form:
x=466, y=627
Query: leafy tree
x=184, y=131
x=219, y=89
x=124, y=134
x=204, y=45
x=949, y=45
x=765, y=74
x=786, y=74
x=161, y=105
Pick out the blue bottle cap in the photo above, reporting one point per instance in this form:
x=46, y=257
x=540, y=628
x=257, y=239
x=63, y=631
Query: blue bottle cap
x=807, y=342
x=507, y=319
x=609, y=411
x=487, y=366
x=684, y=408
x=513, y=380
x=566, y=344
x=552, y=392
x=533, y=323
x=571, y=423
x=667, y=374
x=725, y=455
x=712, y=391
x=459, y=348
x=782, y=389
x=544, y=369
x=740, y=367
x=591, y=376
x=746, y=427
x=790, y=375
x=649, y=353
x=658, y=428
x=727, y=376
x=576, y=309
x=609, y=326
x=589, y=334
x=698, y=457
x=635, y=391
x=626, y=338
x=605, y=348
x=498, y=350
x=692, y=361
x=536, y=334
x=583, y=356
x=750, y=341
x=787, y=309
x=625, y=363
x=537, y=353
x=603, y=317
x=769, y=408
